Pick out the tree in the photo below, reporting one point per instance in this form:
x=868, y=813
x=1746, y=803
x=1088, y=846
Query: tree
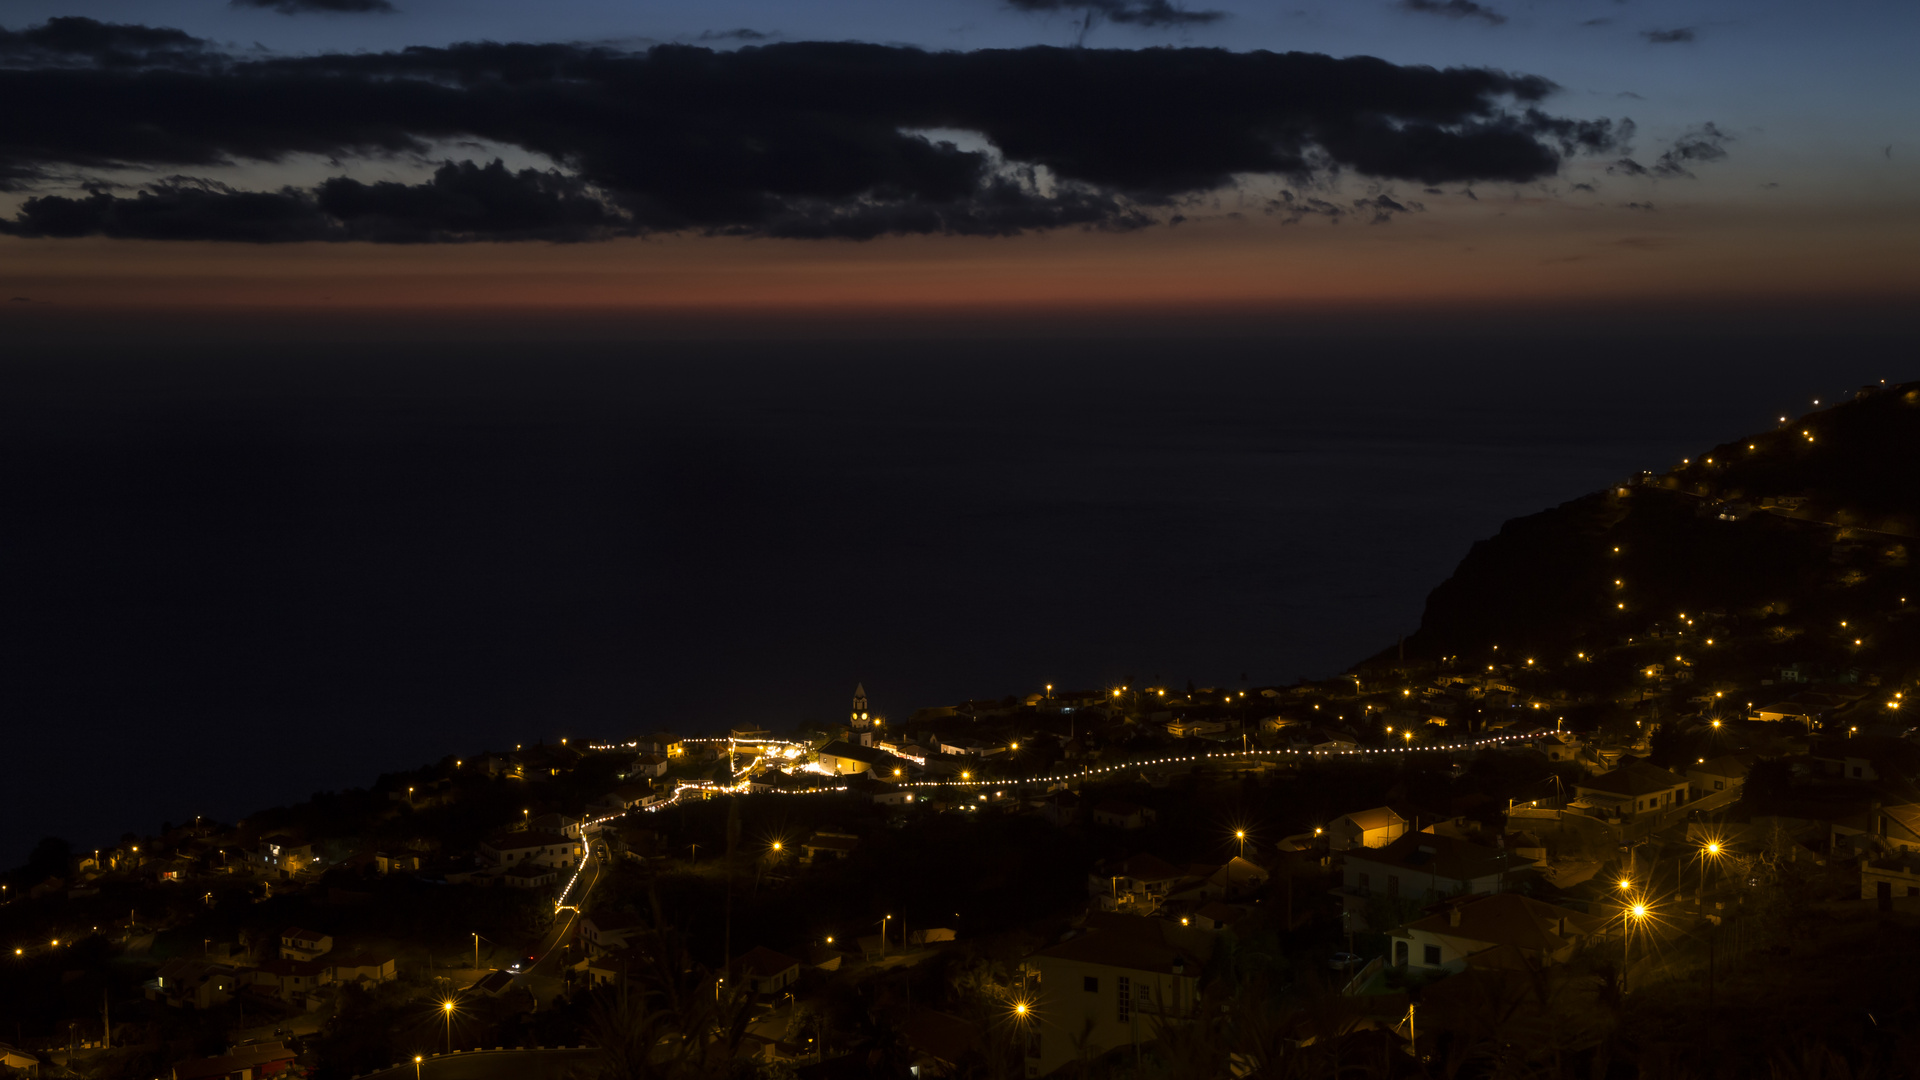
x=51, y=857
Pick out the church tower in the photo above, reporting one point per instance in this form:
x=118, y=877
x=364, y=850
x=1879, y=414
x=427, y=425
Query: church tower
x=861, y=718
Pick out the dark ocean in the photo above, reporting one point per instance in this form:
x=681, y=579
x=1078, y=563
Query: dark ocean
x=232, y=575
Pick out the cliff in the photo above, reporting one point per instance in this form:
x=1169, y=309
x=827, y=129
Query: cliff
x=1784, y=535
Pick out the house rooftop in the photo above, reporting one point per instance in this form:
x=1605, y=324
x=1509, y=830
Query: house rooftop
x=493, y=982
x=1137, y=943
x=1511, y=919
x=243, y=1058
x=940, y=1036
x=606, y=921
x=514, y=841
x=1221, y=913
x=1636, y=779
x=1148, y=868
x=284, y=968
x=1441, y=856
x=872, y=757
x=1728, y=765
x=1380, y=817
x=763, y=962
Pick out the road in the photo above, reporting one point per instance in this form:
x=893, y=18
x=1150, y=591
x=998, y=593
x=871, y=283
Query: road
x=544, y=978
x=491, y=1065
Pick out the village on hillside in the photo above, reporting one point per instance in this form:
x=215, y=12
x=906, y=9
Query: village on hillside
x=1671, y=820
x=1393, y=839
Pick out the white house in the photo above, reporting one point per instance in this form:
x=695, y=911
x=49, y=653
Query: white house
x=539, y=847
x=1420, y=869
x=1716, y=774
x=1629, y=791
x=1543, y=934
x=298, y=944
x=1373, y=828
x=764, y=971
x=1109, y=986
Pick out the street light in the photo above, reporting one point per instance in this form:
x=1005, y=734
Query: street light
x=1636, y=913
x=447, y=1008
x=1711, y=850
x=416, y=1067
x=1241, y=835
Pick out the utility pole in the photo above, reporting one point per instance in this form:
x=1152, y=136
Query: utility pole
x=733, y=834
x=1710, y=937
x=106, y=1022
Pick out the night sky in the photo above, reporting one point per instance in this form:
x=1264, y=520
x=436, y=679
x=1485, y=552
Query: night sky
x=852, y=156
x=388, y=380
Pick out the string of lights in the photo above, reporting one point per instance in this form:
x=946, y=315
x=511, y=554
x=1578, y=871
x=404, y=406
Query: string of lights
x=968, y=782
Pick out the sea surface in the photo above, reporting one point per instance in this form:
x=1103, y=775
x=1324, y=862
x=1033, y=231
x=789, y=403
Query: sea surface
x=234, y=574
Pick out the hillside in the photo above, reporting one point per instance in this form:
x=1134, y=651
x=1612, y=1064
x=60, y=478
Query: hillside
x=1788, y=547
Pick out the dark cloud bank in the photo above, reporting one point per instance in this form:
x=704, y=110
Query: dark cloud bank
x=1455, y=9
x=323, y=7
x=789, y=140
x=1160, y=13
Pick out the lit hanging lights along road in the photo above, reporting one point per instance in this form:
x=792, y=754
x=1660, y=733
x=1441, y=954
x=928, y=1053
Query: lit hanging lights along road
x=742, y=788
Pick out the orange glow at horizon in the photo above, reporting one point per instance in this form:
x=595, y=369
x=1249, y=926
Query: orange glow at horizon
x=1540, y=253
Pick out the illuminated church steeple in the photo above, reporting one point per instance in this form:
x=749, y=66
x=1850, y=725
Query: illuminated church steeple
x=862, y=719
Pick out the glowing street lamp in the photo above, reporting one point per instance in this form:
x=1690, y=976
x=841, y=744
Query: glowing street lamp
x=1710, y=850
x=1241, y=835
x=1635, y=913
x=446, y=1007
